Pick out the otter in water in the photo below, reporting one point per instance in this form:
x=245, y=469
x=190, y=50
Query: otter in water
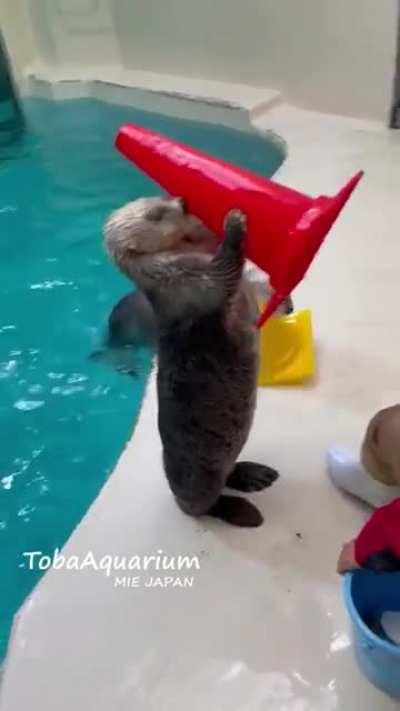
x=207, y=350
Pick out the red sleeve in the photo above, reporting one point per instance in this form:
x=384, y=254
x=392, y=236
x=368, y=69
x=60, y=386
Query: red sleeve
x=380, y=533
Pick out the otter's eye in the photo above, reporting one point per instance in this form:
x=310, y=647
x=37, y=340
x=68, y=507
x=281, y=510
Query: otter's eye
x=156, y=214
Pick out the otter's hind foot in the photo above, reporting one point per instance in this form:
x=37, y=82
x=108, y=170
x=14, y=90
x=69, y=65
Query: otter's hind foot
x=236, y=511
x=248, y=476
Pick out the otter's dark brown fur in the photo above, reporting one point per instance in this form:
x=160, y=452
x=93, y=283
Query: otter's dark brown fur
x=207, y=354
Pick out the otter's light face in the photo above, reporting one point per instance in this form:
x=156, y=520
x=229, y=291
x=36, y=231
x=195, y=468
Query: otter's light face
x=149, y=226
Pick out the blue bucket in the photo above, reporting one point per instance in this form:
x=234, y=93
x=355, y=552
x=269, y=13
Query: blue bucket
x=367, y=596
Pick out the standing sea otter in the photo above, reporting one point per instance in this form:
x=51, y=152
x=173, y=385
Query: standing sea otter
x=207, y=350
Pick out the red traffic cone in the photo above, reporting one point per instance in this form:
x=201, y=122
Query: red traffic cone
x=284, y=227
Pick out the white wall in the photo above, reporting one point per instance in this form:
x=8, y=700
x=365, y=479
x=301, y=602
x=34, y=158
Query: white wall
x=334, y=55
x=331, y=55
x=18, y=32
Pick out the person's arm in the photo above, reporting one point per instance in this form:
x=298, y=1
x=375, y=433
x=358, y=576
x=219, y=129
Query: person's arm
x=377, y=547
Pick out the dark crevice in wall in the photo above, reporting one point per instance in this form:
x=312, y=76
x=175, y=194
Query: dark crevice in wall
x=11, y=116
x=395, y=110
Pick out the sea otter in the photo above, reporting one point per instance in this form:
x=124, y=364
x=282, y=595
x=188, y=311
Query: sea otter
x=207, y=347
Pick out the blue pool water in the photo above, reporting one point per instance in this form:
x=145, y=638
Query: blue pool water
x=64, y=417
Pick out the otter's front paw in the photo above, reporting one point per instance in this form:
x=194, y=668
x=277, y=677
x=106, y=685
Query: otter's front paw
x=229, y=260
x=235, y=225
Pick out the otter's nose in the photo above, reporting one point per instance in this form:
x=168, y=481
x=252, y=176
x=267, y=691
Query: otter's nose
x=180, y=204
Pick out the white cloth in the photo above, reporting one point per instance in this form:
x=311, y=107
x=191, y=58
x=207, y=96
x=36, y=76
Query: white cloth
x=348, y=474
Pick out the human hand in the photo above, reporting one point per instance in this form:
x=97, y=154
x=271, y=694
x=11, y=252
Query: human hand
x=347, y=559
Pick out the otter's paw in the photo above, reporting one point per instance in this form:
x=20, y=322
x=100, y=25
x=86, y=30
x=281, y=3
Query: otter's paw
x=248, y=476
x=288, y=306
x=236, y=511
x=235, y=224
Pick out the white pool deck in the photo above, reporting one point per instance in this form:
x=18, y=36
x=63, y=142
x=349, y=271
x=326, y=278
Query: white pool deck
x=263, y=628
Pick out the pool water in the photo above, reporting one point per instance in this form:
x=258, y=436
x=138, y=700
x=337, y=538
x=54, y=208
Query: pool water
x=64, y=416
